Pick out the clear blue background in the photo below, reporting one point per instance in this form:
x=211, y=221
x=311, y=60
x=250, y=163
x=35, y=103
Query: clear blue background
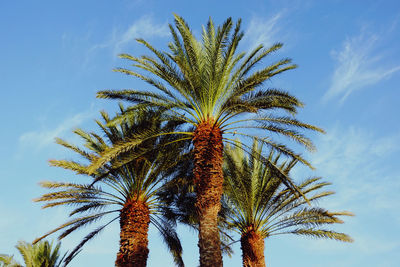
x=55, y=55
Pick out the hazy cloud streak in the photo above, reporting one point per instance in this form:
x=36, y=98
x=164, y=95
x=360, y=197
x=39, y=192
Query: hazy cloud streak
x=366, y=180
x=357, y=163
x=145, y=27
x=42, y=138
x=265, y=31
x=359, y=64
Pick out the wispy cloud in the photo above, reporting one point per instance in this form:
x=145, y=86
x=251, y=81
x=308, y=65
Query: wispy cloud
x=39, y=139
x=265, y=31
x=364, y=173
x=363, y=169
x=144, y=27
x=360, y=63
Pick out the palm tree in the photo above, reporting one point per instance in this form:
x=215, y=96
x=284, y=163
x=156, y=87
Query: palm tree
x=8, y=261
x=41, y=254
x=128, y=191
x=216, y=91
x=261, y=207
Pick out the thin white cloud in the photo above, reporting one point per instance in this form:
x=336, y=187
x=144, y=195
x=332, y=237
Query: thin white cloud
x=352, y=147
x=39, y=139
x=265, y=31
x=360, y=63
x=363, y=170
x=144, y=27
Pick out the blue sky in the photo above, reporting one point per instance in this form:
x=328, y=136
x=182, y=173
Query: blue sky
x=54, y=57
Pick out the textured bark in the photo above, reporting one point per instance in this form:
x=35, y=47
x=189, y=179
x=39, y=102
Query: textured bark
x=208, y=177
x=134, y=223
x=253, y=249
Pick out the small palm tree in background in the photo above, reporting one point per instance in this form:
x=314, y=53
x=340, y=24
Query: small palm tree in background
x=118, y=190
x=216, y=91
x=8, y=261
x=41, y=254
x=261, y=207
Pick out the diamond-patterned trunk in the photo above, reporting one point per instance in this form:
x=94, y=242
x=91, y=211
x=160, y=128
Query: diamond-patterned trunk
x=134, y=223
x=252, y=244
x=208, y=177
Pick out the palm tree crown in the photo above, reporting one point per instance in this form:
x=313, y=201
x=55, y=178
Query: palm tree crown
x=261, y=207
x=118, y=190
x=209, y=82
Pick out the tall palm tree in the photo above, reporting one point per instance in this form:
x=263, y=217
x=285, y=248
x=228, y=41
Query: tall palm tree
x=216, y=91
x=118, y=190
x=41, y=254
x=261, y=207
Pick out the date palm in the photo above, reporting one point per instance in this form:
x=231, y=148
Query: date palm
x=217, y=92
x=261, y=207
x=42, y=254
x=118, y=190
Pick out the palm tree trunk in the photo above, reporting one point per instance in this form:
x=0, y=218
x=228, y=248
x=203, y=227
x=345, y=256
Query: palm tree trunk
x=134, y=223
x=252, y=244
x=208, y=177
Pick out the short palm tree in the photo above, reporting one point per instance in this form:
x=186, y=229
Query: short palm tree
x=216, y=91
x=41, y=254
x=261, y=207
x=8, y=261
x=124, y=191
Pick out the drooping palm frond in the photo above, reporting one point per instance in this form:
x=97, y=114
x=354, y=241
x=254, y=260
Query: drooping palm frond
x=258, y=200
x=100, y=198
